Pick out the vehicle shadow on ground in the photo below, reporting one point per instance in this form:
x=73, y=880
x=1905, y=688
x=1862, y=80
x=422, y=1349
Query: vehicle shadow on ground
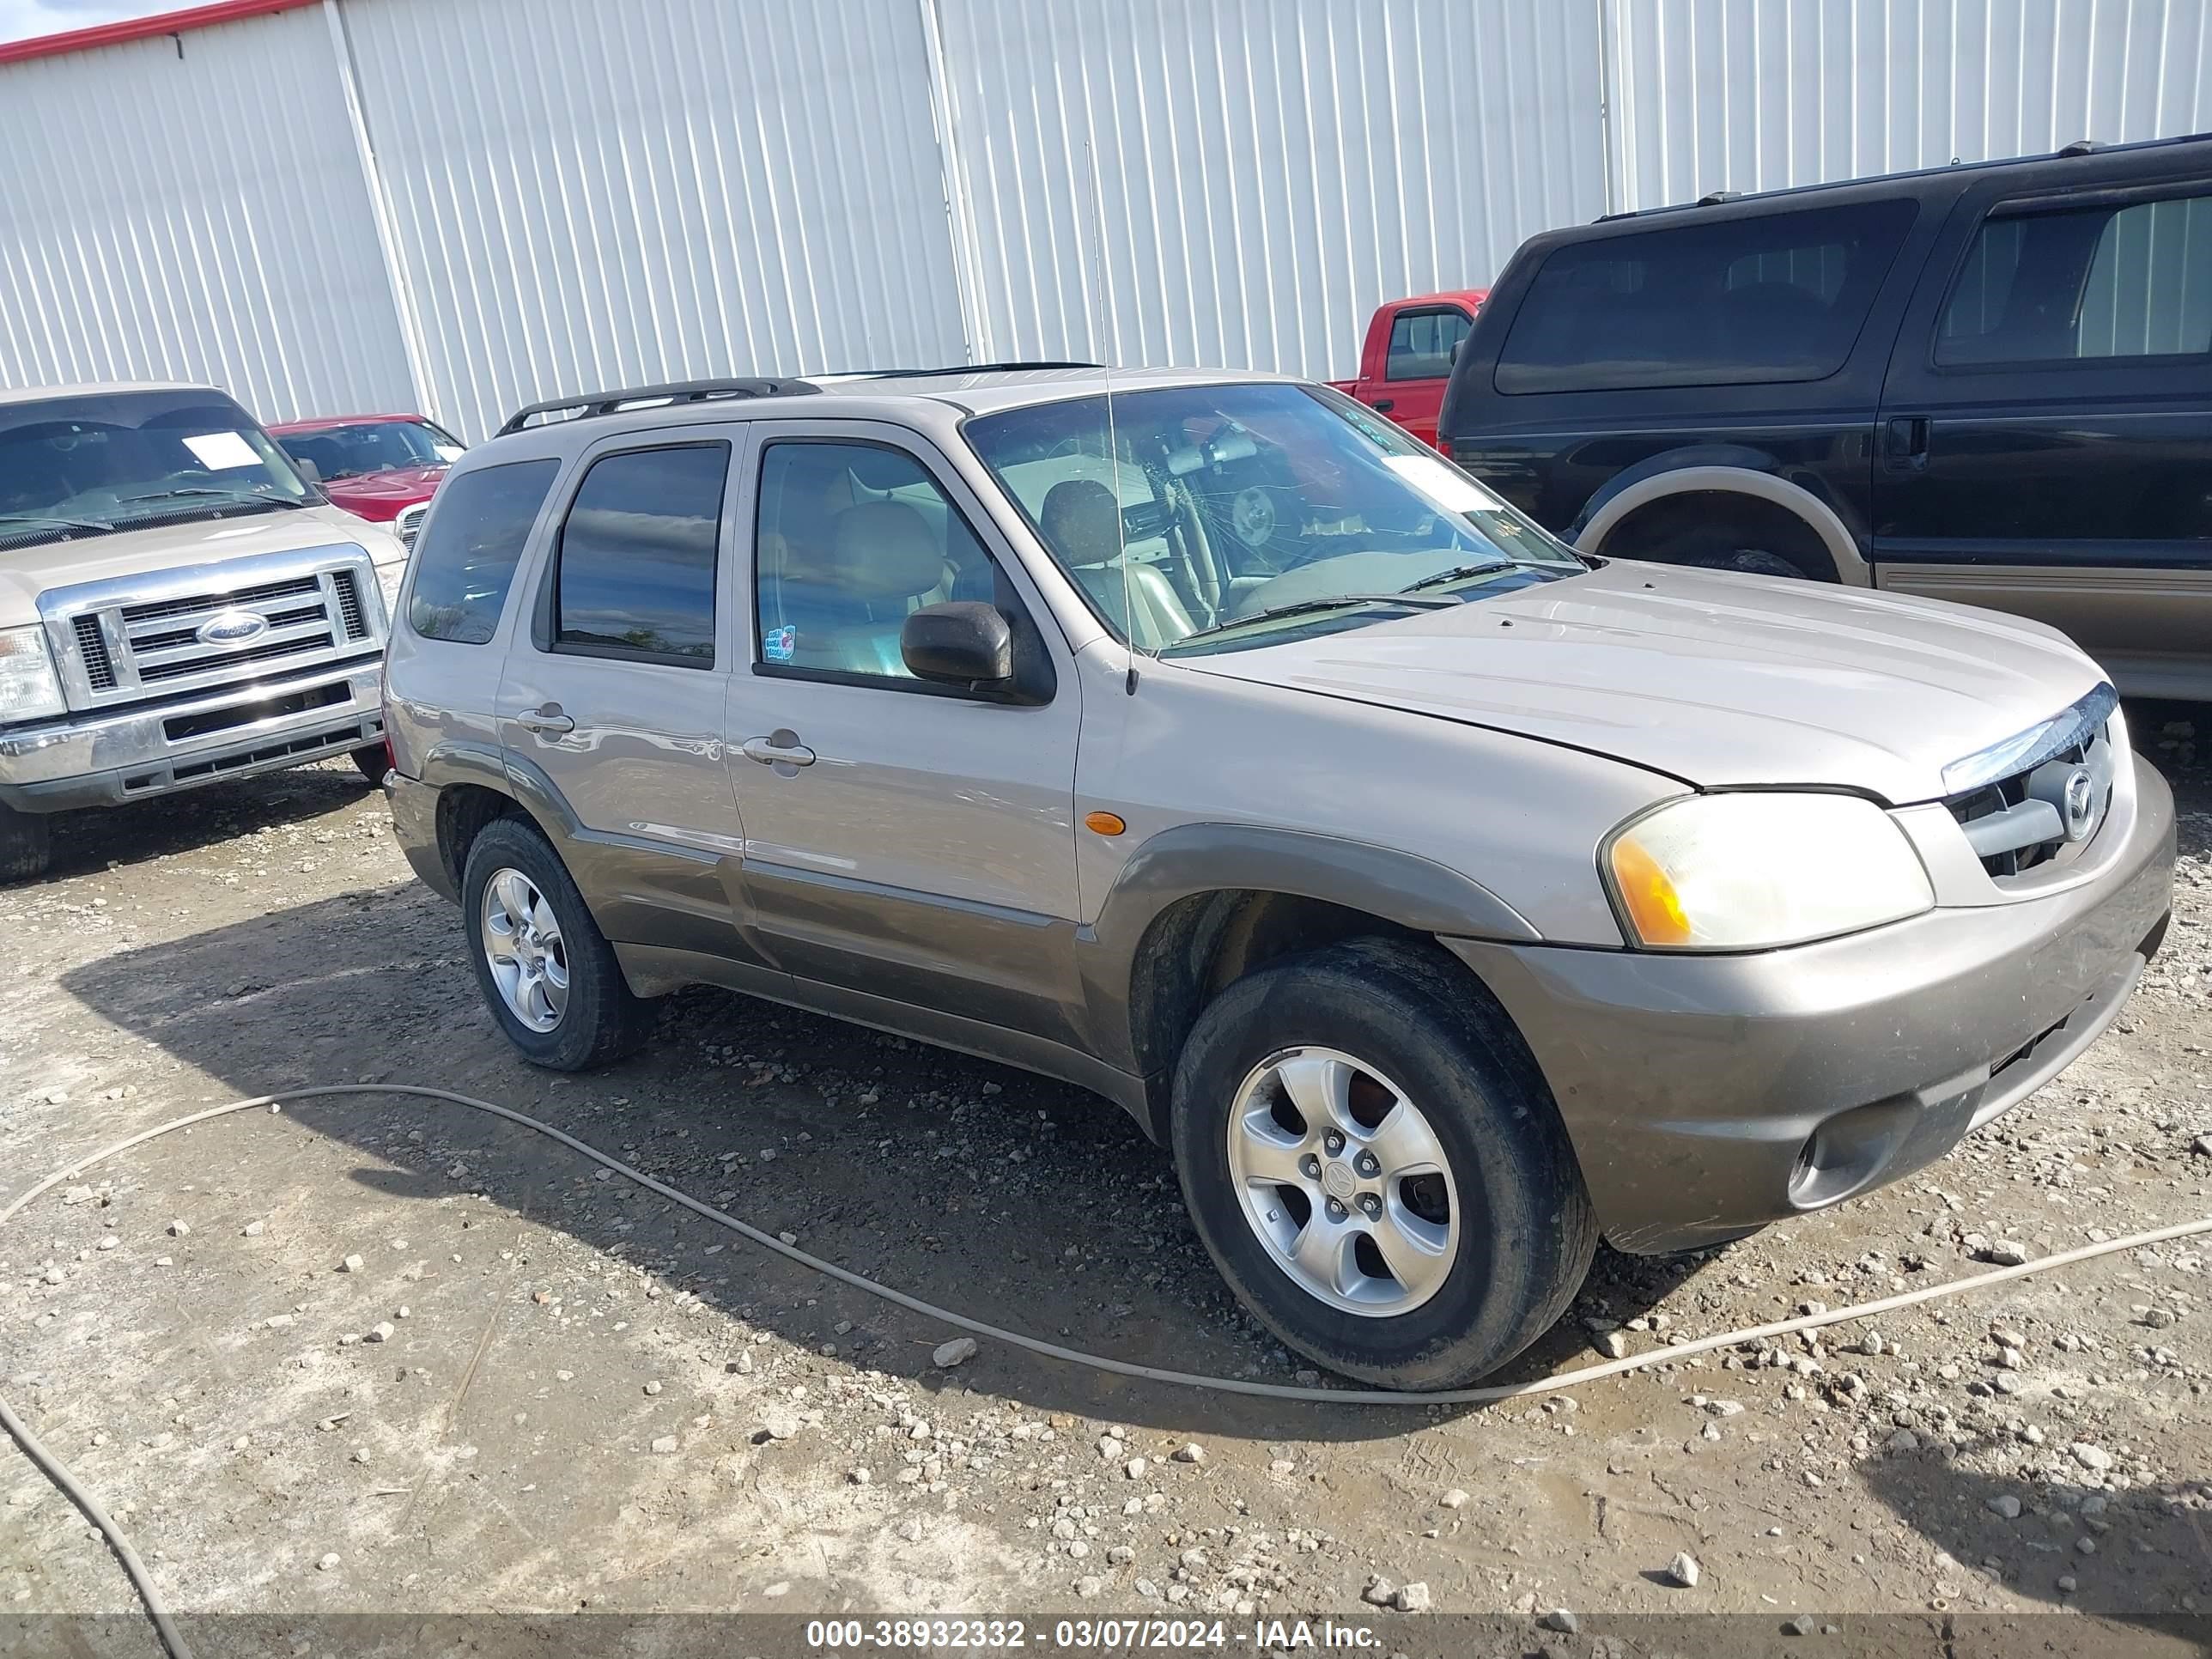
x=2150, y=1544
x=1007, y=1197
x=143, y=831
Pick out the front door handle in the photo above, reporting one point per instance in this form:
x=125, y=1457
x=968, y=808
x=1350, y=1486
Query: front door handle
x=781, y=750
x=547, y=719
x=1383, y=405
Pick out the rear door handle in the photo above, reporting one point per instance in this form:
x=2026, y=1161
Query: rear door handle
x=1905, y=442
x=783, y=749
x=548, y=719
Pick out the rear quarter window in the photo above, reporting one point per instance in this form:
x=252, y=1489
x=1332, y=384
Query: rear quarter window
x=1777, y=297
x=465, y=557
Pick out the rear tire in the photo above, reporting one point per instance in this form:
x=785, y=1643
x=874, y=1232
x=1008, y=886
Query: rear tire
x=25, y=846
x=1509, y=1249
x=1749, y=561
x=598, y=1018
x=375, y=762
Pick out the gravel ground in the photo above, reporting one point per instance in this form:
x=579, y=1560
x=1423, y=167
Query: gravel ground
x=377, y=1355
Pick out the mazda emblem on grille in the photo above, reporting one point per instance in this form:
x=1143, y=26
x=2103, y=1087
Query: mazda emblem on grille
x=2080, y=807
x=231, y=627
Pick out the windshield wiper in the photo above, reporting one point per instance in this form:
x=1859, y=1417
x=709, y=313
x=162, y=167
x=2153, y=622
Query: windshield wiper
x=92, y=526
x=1461, y=573
x=1303, y=607
x=225, y=498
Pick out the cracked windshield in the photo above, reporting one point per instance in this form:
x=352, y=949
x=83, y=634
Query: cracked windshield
x=1251, y=514
x=86, y=466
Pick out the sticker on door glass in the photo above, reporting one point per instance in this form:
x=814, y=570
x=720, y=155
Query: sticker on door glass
x=218, y=452
x=780, y=643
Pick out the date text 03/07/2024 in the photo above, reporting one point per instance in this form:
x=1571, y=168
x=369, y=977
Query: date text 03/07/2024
x=1111, y=1635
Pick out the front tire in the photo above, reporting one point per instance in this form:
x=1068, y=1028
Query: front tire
x=547, y=972
x=1373, y=1088
x=25, y=847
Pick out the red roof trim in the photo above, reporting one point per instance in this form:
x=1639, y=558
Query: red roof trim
x=143, y=28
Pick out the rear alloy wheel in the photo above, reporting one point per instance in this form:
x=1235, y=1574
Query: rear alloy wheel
x=1748, y=560
x=1376, y=1166
x=548, y=975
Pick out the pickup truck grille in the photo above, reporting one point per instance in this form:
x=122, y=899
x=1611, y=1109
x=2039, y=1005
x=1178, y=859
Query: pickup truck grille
x=2051, y=805
x=188, y=630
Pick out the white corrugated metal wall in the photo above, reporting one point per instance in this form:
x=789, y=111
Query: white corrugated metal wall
x=1268, y=170
x=194, y=209
x=547, y=195
x=587, y=196
x=1747, y=94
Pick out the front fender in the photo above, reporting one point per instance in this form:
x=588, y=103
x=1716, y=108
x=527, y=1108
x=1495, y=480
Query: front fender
x=1194, y=858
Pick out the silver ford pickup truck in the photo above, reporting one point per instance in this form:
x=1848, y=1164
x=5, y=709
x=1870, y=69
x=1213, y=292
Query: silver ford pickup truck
x=178, y=605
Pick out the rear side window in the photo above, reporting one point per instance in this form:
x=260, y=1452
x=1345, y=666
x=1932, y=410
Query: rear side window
x=465, y=557
x=1736, y=302
x=2111, y=281
x=1422, y=344
x=636, y=572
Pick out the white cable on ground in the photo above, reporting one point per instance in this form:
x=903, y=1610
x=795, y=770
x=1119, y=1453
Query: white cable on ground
x=56, y=1472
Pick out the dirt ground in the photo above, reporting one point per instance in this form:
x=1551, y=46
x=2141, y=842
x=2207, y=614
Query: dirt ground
x=381, y=1356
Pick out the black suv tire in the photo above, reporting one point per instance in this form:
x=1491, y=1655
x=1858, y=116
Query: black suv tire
x=1526, y=1232
x=604, y=1019
x=25, y=845
x=374, y=761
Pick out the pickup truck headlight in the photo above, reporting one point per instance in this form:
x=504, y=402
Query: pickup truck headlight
x=1750, y=871
x=29, y=690
x=388, y=577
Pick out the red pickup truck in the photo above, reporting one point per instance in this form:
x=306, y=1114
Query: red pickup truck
x=1407, y=357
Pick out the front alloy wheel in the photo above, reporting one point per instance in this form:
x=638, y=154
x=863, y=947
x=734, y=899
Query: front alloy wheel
x=1344, y=1181
x=521, y=941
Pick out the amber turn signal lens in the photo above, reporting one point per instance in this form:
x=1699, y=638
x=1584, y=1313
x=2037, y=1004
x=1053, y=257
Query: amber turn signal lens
x=1104, y=823
x=1652, y=902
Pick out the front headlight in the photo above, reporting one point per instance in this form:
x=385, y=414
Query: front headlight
x=29, y=690
x=388, y=578
x=1746, y=872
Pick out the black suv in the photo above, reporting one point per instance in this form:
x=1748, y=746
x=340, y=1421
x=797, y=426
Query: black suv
x=1987, y=383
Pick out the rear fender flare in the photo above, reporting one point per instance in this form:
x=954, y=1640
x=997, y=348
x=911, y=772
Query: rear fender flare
x=1702, y=470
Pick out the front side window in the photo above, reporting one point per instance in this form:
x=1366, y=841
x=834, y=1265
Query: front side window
x=1742, y=302
x=1422, y=344
x=1217, y=517
x=2084, y=282
x=356, y=451
x=636, y=571
x=91, y=465
x=464, y=559
x=851, y=539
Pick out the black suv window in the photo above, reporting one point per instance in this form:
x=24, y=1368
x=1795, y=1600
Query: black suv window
x=1422, y=344
x=1740, y=301
x=465, y=557
x=636, y=573
x=2110, y=280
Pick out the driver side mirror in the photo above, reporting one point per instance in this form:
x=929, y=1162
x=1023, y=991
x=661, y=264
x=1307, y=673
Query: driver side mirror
x=964, y=643
x=308, y=469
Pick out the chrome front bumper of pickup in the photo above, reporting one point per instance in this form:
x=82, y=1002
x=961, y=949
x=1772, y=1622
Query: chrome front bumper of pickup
x=93, y=760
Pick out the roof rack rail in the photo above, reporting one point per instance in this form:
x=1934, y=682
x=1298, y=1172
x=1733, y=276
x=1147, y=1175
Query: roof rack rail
x=589, y=404
x=959, y=368
x=1715, y=198
x=2083, y=147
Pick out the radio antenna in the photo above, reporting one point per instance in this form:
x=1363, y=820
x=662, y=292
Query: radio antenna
x=1102, y=328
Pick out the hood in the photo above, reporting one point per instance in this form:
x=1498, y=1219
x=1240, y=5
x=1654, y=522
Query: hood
x=381, y=495
x=1717, y=679
x=27, y=571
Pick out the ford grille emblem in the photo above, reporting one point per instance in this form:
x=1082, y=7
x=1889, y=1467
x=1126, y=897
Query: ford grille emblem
x=232, y=628
x=2080, y=807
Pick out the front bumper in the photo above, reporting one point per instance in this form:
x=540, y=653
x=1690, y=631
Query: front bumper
x=1707, y=1095
x=231, y=732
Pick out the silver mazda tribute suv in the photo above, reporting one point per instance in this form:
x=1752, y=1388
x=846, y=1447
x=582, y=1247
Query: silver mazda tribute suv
x=1444, y=899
